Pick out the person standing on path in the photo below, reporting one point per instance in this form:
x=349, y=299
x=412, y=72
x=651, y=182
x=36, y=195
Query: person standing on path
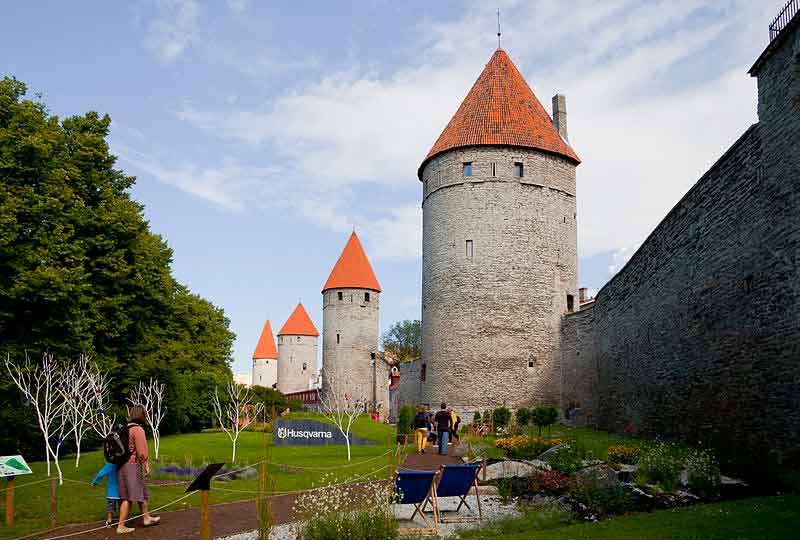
x=444, y=422
x=421, y=430
x=109, y=472
x=131, y=475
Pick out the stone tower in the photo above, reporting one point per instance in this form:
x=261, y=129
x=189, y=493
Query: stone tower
x=499, y=248
x=265, y=360
x=350, y=332
x=297, y=352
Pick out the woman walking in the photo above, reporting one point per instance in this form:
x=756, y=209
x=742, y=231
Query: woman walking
x=421, y=429
x=131, y=475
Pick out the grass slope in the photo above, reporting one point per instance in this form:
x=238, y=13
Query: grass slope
x=78, y=502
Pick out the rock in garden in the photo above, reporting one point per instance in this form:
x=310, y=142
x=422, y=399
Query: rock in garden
x=625, y=472
x=509, y=469
x=597, y=473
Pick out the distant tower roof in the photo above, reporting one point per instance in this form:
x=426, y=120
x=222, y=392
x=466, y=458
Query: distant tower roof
x=501, y=109
x=266, y=344
x=352, y=270
x=299, y=324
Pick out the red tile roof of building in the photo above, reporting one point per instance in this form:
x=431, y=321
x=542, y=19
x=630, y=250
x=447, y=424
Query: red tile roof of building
x=352, y=270
x=266, y=344
x=299, y=324
x=501, y=109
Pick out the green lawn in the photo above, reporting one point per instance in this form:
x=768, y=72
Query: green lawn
x=763, y=518
x=80, y=503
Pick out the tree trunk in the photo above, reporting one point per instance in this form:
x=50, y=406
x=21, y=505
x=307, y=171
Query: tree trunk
x=347, y=442
x=233, y=454
x=47, y=454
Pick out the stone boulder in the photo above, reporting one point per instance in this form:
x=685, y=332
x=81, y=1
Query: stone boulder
x=602, y=473
x=508, y=469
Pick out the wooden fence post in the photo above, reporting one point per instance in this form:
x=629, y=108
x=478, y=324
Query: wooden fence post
x=10, y=501
x=205, y=530
x=53, y=502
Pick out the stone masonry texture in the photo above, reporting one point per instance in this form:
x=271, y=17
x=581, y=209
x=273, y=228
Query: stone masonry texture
x=490, y=322
x=355, y=320
x=265, y=372
x=297, y=362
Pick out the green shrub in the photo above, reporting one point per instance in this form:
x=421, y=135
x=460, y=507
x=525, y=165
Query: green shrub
x=703, y=471
x=544, y=416
x=501, y=417
x=476, y=418
x=534, y=517
x=569, y=459
x=523, y=417
x=601, y=498
x=405, y=420
x=661, y=464
x=373, y=524
x=487, y=416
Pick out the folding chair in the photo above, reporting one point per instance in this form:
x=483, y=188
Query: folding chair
x=457, y=481
x=417, y=488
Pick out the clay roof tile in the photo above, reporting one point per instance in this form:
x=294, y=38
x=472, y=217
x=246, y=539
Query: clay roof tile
x=352, y=270
x=266, y=344
x=299, y=324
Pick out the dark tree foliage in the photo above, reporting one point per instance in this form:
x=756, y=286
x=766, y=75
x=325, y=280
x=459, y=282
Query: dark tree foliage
x=80, y=271
x=404, y=340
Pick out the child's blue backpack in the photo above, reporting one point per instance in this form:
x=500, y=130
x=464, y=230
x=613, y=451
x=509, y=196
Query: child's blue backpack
x=115, y=446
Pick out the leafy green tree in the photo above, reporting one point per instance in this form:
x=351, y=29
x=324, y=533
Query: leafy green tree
x=544, y=416
x=523, y=416
x=404, y=340
x=80, y=271
x=501, y=417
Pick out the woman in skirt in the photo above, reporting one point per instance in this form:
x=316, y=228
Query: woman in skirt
x=131, y=475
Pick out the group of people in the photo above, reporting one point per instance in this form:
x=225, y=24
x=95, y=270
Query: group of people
x=439, y=428
x=126, y=484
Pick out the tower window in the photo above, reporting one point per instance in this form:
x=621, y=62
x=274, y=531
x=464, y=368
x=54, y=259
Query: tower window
x=570, y=302
x=341, y=295
x=337, y=339
x=518, y=170
x=366, y=297
x=304, y=366
x=469, y=249
x=493, y=167
x=468, y=168
x=298, y=338
x=530, y=363
x=423, y=373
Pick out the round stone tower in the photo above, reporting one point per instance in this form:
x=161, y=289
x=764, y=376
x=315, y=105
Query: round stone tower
x=265, y=360
x=499, y=248
x=297, y=352
x=350, y=329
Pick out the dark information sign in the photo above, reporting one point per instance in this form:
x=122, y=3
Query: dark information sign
x=309, y=433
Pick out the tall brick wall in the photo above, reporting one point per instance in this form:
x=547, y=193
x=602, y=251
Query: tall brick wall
x=698, y=336
x=356, y=323
x=297, y=362
x=579, y=367
x=485, y=318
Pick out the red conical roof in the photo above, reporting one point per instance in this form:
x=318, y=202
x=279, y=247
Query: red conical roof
x=266, y=344
x=501, y=109
x=352, y=270
x=299, y=324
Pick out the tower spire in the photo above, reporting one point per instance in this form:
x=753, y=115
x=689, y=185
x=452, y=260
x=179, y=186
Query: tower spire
x=498, y=28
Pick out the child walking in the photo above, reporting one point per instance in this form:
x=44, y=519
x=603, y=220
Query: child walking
x=109, y=472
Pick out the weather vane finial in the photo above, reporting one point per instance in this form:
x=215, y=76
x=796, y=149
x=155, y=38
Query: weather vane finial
x=498, y=28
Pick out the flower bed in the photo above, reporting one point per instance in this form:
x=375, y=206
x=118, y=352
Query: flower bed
x=523, y=447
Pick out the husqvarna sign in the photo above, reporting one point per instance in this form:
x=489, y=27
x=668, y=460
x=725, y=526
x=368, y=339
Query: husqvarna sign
x=309, y=433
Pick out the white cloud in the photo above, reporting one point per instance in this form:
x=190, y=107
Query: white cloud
x=173, y=29
x=646, y=114
x=620, y=258
x=238, y=6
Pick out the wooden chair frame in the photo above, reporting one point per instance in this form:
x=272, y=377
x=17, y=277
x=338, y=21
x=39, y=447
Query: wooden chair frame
x=419, y=508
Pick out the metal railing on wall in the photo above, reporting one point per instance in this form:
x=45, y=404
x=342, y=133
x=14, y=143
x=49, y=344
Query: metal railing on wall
x=787, y=14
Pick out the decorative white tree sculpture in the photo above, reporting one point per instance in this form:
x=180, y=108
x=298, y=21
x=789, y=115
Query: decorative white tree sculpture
x=40, y=386
x=340, y=407
x=151, y=397
x=97, y=399
x=75, y=387
x=237, y=413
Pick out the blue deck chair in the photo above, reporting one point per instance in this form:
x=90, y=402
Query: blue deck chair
x=417, y=488
x=458, y=481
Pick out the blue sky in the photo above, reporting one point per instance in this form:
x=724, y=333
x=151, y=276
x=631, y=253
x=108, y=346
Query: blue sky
x=261, y=133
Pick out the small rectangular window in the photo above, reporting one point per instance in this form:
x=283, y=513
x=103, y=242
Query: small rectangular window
x=494, y=169
x=423, y=372
x=366, y=297
x=298, y=338
x=337, y=339
x=469, y=249
x=468, y=168
x=570, y=302
x=341, y=296
x=518, y=170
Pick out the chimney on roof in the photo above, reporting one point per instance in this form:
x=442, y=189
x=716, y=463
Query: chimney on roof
x=560, y=115
x=583, y=295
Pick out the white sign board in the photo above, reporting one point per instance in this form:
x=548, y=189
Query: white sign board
x=13, y=466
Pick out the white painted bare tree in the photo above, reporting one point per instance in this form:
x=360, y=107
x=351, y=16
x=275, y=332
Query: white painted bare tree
x=75, y=388
x=150, y=395
x=40, y=386
x=98, y=400
x=236, y=413
x=339, y=406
